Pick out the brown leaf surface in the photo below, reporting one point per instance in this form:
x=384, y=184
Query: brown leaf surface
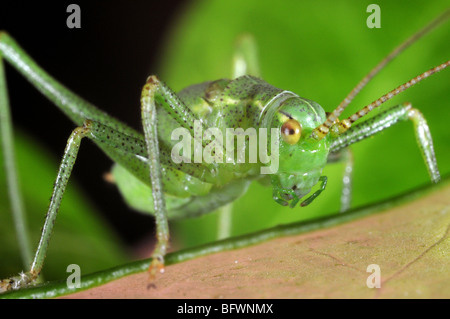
x=410, y=243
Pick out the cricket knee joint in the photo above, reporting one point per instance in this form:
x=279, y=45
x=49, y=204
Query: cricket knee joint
x=83, y=131
x=414, y=114
x=4, y=36
x=151, y=83
x=150, y=86
x=424, y=140
x=152, y=79
x=86, y=126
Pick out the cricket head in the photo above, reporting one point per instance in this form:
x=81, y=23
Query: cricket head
x=300, y=158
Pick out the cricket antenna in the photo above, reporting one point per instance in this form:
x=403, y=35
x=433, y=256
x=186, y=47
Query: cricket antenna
x=344, y=125
x=322, y=130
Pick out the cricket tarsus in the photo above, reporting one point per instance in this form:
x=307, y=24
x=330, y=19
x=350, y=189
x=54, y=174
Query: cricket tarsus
x=190, y=189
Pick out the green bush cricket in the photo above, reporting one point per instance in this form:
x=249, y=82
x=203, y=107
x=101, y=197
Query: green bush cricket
x=317, y=134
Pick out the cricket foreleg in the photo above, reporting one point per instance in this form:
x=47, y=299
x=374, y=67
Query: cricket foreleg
x=65, y=169
x=156, y=93
x=308, y=201
x=224, y=221
x=149, y=123
x=402, y=112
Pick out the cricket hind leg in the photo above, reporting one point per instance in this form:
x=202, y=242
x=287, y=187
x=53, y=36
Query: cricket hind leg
x=64, y=172
x=14, y=193
x=71, y=104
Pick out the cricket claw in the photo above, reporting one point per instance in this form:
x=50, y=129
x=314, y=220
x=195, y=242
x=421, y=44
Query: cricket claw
x=156, y=266
x=16, y=282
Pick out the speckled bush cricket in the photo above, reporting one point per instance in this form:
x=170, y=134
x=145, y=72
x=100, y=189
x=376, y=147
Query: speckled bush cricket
x=304, y=127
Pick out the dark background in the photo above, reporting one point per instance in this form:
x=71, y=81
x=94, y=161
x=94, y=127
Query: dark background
x=106, y=62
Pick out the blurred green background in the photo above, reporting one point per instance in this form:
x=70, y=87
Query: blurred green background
x=317, y=49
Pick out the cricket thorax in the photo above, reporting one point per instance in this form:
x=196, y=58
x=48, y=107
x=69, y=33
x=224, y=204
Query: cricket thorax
x=248, y=103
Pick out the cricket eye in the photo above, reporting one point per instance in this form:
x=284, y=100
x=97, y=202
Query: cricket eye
x=291, y=131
